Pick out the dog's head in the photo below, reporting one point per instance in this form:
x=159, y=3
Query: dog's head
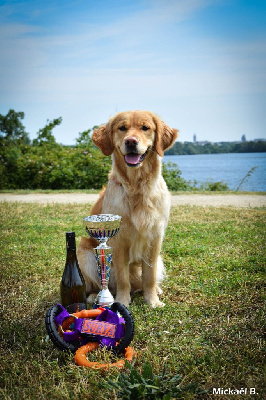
x=133, y=134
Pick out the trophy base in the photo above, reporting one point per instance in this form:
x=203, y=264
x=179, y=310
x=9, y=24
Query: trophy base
x=104, y=298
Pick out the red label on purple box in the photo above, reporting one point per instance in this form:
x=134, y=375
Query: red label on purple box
x=101, y=328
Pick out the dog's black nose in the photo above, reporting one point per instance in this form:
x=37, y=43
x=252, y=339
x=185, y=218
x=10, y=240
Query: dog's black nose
x=131, y=141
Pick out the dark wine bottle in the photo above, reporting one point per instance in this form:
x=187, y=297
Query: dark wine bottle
x=72, y=287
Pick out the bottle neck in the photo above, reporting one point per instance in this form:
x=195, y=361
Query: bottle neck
x=71, y=254
x=71, y=249
x=70, y=242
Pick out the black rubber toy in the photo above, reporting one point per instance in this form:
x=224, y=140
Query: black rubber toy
x=52, y=331
x=59, y=342
x=129, y=333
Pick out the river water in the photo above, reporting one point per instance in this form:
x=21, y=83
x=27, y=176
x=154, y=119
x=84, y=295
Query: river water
x=230, y=168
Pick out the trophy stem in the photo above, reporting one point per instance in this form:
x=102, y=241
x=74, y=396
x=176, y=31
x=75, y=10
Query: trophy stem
x=103, y=265
x=103, y=255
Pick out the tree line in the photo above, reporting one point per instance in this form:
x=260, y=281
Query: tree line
x=189, y=148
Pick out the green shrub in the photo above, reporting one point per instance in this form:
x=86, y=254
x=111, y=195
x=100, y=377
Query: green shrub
x=48, y=165
x=59, y=167
x=214, y=186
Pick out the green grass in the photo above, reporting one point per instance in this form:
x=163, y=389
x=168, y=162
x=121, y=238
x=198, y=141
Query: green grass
x=210, y=331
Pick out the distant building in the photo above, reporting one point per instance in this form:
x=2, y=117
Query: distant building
x=243, y=138
x=203, y=142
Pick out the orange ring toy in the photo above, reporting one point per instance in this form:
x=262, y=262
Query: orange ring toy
x=89, y=313
x=80, y=357
x=81, y=314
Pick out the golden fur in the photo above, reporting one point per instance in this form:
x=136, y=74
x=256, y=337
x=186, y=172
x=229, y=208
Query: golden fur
x=137, y=191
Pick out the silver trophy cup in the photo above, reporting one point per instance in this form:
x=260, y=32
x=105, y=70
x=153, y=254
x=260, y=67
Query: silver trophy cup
x=102, y=227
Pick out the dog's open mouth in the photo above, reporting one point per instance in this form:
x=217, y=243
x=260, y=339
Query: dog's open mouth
x=134, y=159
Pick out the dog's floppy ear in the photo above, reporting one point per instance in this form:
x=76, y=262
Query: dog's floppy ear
x=165, y=136
x=102, y=138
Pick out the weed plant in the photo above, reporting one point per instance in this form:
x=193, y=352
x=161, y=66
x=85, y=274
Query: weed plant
x=209, y=334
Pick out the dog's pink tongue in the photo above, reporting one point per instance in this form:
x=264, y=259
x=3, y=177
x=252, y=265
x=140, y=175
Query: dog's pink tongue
x=132, y=158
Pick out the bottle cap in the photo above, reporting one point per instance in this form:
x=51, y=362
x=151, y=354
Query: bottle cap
x=71, y=240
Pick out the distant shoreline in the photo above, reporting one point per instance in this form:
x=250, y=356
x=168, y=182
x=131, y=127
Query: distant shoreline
x=205, y=147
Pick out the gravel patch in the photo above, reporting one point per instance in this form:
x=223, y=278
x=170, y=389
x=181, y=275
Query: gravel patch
x=204, y=200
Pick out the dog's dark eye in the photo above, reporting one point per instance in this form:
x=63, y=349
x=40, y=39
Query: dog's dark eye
x=145, y=128
x=122, y=128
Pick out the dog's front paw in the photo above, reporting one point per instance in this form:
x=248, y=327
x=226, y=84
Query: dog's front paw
x=157, y=303
x=159, y=290
x=154, y=301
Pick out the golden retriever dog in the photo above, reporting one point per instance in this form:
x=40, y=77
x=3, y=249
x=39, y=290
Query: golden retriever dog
x=136, y=190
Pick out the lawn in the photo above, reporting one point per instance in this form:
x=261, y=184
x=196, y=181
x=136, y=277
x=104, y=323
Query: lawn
x=210, y=331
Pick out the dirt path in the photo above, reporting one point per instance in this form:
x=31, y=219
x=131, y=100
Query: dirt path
x=215, y=200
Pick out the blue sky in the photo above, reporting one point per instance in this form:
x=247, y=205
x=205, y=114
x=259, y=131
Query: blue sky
x=199, y=64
